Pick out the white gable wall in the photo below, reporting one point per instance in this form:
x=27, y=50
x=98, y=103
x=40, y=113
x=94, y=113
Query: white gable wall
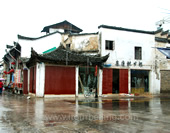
x=125, y=43
x=39, y=45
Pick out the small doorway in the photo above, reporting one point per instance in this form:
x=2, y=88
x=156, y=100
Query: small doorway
x=115, y=81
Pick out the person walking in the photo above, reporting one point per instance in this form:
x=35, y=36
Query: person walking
x=1, y=86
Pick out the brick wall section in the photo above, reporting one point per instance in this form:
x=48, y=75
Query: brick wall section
x=165, y=81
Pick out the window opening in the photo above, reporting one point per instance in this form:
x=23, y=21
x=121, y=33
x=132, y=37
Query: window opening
x=138, y=53
x=109, y=45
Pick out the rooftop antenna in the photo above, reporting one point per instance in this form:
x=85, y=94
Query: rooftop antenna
x=165, y=20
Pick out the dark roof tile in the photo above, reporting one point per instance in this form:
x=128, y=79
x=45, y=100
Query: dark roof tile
x=61, y=56
x=158, y=39
x=65, y=25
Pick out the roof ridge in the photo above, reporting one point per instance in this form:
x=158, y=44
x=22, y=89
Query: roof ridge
x=126, y=29
x=36, y=38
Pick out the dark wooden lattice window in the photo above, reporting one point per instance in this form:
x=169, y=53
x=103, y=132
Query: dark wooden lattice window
x=109, y=45
x=138, y=53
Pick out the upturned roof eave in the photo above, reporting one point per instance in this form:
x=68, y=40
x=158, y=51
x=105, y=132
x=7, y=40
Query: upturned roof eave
x=63, y=56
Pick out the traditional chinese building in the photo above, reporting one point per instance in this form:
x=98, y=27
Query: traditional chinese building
x=58, y=72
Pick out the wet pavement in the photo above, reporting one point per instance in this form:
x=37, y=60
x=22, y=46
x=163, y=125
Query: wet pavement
x=83, y=115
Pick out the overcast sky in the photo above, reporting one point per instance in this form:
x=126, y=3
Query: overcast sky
x=28, y=17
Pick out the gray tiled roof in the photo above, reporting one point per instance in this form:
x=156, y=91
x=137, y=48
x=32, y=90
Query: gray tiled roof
x=61, y=56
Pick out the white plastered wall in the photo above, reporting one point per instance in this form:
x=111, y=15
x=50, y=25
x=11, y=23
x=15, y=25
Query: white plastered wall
x=28, y=80
x=40, y=79
x=100, y=83
x=39, y=45
x=125, y=42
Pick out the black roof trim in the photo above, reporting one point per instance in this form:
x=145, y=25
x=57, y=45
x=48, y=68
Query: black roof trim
x=36, y=38
x=159, y=30
x=15, y=51
x=165, y=32
x=126, y=29
x=158, y=39
x=83, y=34
x=9, y=46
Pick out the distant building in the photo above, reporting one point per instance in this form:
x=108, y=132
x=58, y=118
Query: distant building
x=12, y=69
x=78, y=58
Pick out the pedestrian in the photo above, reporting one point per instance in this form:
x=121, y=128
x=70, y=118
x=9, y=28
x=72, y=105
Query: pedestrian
x=1, y=86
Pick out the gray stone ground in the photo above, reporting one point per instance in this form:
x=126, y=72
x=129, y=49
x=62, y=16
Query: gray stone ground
x=84, y=115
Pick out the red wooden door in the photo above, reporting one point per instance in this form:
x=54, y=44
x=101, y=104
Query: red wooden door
x=107, y=80
x=123, y=81
x=59, y=80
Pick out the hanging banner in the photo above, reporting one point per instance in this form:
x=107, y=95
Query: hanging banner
x=18, y=76
x=8, y=79
x=165, y=51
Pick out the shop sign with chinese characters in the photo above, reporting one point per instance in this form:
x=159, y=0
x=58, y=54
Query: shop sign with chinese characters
x=18, y=76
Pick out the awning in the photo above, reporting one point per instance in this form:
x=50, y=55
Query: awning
x=165, y=51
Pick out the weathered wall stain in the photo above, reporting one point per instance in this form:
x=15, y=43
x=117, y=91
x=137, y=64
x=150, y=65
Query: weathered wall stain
x=81, y=43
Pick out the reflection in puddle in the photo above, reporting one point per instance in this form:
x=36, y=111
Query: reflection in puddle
x=105, y=104
x=85, y=115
